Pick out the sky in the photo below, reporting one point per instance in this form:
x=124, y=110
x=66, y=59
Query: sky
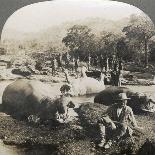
x=42, y=15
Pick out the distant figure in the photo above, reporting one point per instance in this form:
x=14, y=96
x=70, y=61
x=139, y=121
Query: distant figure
x=117, y=122
x=54, y=66
x=59, y=60
x=76, y=65
x=102, y=77
x=101, y=62
x=67, y=59
x=107, y=78
x=120, y=65
x=38, y=66
x=113, y=62
x=115, y=75
x=95, y=61
x=83, y=71
x=120, y=68
x=89, y=62
x=110, y=62
x=107, y=65
x=73, y=64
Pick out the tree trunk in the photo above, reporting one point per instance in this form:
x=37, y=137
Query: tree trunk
x=146, y=52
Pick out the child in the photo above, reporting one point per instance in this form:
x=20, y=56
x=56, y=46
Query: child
x=65, y=102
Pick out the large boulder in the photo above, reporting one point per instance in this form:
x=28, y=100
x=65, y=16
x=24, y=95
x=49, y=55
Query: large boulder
x=139, y=102
x=23, y=98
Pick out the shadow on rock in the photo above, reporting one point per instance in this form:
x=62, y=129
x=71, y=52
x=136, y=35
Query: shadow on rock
x=148, y=148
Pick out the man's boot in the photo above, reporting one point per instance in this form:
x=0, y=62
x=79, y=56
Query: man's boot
x=102, y=143
x=108, y=144
x=102, y=133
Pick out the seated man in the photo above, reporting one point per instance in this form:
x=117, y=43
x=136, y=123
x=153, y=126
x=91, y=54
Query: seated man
x=117, y=122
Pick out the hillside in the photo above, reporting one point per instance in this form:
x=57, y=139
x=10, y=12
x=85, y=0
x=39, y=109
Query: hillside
x=55, y=34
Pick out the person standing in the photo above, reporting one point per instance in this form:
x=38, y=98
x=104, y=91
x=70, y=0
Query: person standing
x=115, y=75
x=54, y=64
x=65, y=102
x=101, y=62
x=59, y=60
x=89, y=62
x=120, y=68
x=73, y=64
x=67, y=59
x=76, y=65
x=95, y=61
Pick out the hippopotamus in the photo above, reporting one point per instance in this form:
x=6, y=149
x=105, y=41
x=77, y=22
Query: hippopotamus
x=23, y=98
x=139, y=102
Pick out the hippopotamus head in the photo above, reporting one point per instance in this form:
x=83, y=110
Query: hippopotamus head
x=144, y=102
x=148, y=103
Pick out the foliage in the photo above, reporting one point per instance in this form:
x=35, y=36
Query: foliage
x=79, y=39
x=110, y=42
x=128, y=39
x=138, y=33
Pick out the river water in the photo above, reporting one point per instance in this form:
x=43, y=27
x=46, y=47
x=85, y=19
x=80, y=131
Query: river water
x=13, y=150
x=9, y=150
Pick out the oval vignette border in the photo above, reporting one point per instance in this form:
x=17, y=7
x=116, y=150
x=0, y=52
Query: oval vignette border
x=7, y=7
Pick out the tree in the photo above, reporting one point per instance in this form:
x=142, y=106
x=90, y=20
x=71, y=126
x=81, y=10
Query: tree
x=109, y=43
x=123, y=49
x=139, y=31
x=152, y=49
x=79, y=39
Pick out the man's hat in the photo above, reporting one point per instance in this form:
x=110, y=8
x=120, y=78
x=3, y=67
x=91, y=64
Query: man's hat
x=122, y=96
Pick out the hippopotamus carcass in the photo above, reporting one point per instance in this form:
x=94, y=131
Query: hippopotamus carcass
x=139, y=102
x=23, y=98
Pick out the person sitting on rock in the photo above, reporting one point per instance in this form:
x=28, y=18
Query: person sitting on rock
x=117, y=122
x=66, y=102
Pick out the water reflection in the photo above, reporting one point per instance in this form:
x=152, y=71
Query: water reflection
x=9, y=150
x=29, y=150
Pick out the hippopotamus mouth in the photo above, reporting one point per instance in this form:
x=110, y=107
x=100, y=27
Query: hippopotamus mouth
x=148, y=104
x=149, y=107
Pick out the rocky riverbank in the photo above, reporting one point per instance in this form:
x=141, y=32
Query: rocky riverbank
x=78, y=137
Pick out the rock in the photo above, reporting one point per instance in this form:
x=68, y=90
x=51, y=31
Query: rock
x=148, y=148
x=21, y=71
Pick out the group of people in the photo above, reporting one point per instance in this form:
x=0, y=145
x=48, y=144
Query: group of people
x=111, y=67
x=118, y=120
x=59, y=62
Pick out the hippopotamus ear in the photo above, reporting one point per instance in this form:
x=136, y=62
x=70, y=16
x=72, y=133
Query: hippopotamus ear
x=71, y=105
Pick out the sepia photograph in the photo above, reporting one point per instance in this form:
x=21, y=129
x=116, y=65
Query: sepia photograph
x=77, y=77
